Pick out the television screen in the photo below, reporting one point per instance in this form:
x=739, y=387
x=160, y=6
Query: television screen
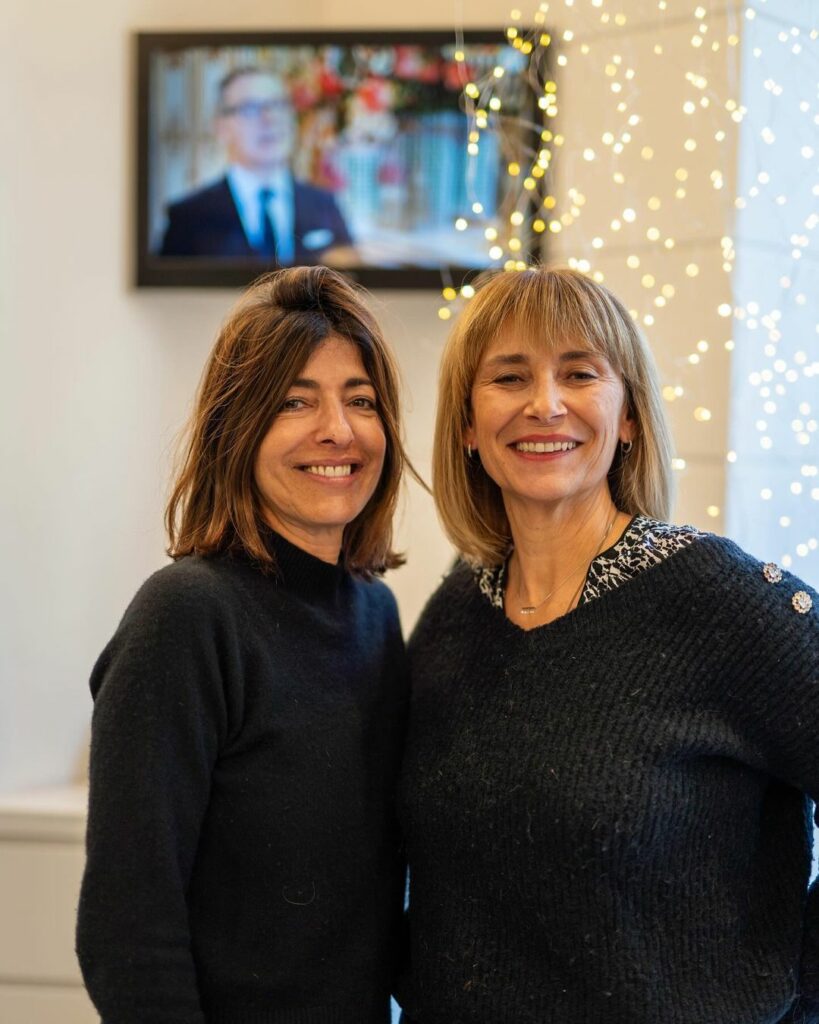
x=349, y=149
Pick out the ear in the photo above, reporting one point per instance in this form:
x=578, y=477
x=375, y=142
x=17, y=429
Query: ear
x=628, y=427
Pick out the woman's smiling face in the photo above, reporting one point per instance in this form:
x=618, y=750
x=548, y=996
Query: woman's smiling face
x=546, y=420
x=321, y=459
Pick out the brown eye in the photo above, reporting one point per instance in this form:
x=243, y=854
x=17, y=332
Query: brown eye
x=290, y=404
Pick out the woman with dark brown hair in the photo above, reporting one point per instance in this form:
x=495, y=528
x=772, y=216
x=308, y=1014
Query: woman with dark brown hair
x=243, y=862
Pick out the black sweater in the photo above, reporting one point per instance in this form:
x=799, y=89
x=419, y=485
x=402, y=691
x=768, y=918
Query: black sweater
x=606, y=816
x=243, y=862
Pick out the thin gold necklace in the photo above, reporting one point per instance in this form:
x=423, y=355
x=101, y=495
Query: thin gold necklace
x=530, y=609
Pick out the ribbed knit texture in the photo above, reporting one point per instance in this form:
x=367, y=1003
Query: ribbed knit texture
x=606, y=815
x=244, y=866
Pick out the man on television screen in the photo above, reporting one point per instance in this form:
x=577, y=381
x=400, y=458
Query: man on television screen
x=258, y=210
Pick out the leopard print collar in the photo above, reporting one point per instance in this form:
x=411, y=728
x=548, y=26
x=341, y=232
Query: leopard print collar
x=644, y=543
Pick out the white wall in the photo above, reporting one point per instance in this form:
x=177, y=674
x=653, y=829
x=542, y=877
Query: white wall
x=98, y=376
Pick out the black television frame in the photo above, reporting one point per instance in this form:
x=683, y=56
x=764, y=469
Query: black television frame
x=165, y=271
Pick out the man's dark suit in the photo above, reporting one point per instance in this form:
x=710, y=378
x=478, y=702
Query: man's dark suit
x=207, y=223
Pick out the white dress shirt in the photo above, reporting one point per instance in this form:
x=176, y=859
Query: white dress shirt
x=245, y=187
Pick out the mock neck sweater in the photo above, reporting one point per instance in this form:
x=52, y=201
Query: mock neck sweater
x=606, y=816
x=244, y=865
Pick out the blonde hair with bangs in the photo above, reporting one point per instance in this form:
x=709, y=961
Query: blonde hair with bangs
x=552, y=305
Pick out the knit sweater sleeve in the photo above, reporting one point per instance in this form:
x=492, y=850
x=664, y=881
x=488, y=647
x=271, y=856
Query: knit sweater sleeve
x=159, y=718
x=773, y=650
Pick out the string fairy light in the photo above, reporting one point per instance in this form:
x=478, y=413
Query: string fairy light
x=771, y=328
x=637, y=229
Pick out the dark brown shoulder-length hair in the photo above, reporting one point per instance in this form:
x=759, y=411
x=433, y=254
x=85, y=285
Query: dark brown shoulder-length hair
x=261, y=349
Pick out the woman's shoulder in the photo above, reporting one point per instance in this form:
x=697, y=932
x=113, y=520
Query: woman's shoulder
x=452, y=597
x=459, y=580
x=760, y=622
x=182, y=607
x=710, y=575
x=742, y=584
x=375, y=591
x=379, y=605
x=184, y=593
x=190, y=574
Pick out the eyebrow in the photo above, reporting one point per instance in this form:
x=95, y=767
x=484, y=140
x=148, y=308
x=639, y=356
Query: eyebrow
x=520, y=359
x=581, y=353
x=516, y=359
x=313, y=385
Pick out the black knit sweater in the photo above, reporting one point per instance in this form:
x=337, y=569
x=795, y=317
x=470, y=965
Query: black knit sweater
x=243, y=863
x=606, y=815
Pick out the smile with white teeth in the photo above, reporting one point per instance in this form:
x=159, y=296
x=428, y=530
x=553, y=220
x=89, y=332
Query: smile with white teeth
x=545, y=446
x=344, y=470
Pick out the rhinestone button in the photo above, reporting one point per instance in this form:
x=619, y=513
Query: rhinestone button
x=802, y=602
x=772, y=572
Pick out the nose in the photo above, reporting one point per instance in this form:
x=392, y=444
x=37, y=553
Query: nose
x=546, y=399
x=334, y=426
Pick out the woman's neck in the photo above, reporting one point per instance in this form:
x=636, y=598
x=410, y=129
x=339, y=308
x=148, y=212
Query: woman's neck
x=553, y=547
x=323, y=543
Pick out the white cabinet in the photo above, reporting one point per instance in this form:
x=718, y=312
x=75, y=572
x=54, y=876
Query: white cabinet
x=41, y=861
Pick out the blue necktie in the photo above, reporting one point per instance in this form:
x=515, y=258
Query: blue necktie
x=267, y=246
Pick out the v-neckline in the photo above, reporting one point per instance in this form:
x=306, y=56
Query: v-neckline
x=598, y=606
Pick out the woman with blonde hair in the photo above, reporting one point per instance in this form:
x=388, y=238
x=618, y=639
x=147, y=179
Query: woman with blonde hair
x=244, y=866
x=615, y=722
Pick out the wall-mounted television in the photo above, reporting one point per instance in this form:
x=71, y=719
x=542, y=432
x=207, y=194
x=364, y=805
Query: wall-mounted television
x=265, y=149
